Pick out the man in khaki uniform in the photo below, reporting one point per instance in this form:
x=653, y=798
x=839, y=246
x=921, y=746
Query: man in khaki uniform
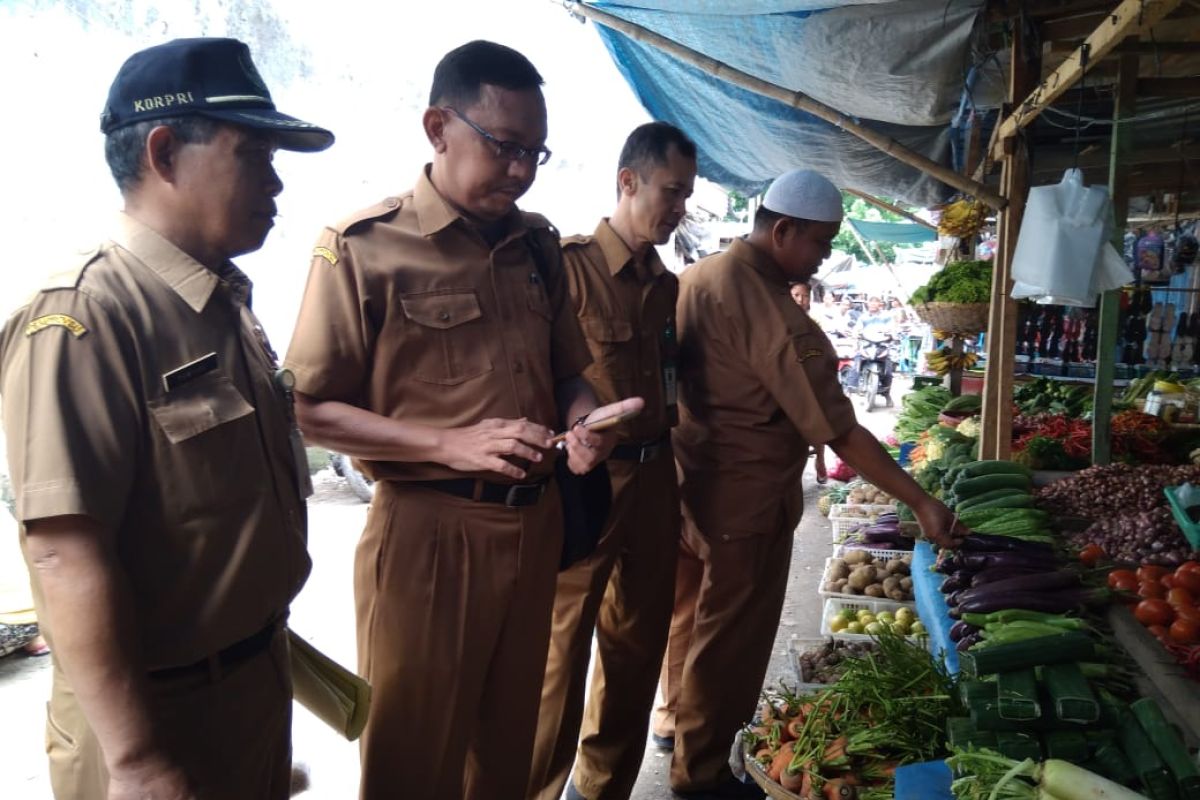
x=758, y=387
x=436, y=345
x=625, y=300
x=153, y=452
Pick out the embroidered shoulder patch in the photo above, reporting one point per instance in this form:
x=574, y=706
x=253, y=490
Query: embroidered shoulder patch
x=56, y=320
x=327, y=254
x=807, y=354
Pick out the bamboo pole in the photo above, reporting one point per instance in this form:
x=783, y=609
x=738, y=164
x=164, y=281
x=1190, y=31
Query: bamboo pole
x=1130, y=17
x=862, y=243
x=886, y=206
x=797, y=100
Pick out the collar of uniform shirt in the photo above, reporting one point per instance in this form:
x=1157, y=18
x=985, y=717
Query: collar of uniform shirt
x=190, y=279
x=618, y=255
x=762, y=263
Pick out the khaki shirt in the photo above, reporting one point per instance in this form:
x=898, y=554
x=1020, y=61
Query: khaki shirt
x=758, y=385
x=139, y=390
x=410, y=314
x=627, y=312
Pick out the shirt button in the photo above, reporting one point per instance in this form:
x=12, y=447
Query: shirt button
x=725, y=537
x=445, y=315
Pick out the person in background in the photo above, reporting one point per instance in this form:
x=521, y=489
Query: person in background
x=436, y=344
x=625, y=300
x=758, y=387
x=158, y=474
x=18, y=620
x=802, y=294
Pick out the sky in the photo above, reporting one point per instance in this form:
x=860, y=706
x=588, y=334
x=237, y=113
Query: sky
x=360, y=67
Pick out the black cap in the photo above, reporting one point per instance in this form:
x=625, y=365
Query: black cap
x=212, y=78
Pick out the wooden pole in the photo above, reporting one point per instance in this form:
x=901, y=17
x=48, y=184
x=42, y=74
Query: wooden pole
x=996, y=425
x=1124, y=107
x=795, y=100
x=886, y=206
x=1129, y=18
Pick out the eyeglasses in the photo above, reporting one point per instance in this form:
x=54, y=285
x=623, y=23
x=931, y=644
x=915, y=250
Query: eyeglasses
x=509, y=151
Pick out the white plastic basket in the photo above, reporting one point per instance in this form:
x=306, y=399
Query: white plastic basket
x=844, y=518
x=834, y=605
x=797, y=646
x=879, y=554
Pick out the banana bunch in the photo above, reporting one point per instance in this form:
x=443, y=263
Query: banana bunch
x=962, y=218
x=1194, y=455
x=943, y=360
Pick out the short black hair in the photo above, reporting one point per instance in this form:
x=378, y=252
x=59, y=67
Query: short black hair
x=461, y=72
x=647, y=146
x=124, y=148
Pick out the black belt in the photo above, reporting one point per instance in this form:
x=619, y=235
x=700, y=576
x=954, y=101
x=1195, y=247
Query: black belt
x=641, y=453
x=508, y=494
x=224, y=660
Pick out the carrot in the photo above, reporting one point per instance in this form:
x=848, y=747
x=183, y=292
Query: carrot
x=792, y=780
x=806, y=785
x=835, y=752
x=763, y=756
x=837, y=789
x=781, y=760
x=795, y=727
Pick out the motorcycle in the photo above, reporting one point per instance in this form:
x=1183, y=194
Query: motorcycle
x=870, y=372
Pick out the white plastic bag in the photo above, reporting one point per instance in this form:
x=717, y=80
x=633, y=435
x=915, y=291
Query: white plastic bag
x=1063, y=255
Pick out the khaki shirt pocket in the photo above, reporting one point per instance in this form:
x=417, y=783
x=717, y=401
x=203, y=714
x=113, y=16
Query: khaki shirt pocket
x=211, y=453
x=612, y=345
x=447, y=349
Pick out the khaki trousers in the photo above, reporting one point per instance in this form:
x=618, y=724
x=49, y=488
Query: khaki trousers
x=624, y=593
x=230, y=733
x=453, y=600
x=728, y=600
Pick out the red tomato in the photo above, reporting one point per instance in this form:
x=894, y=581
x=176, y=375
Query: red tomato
x=1190, y=613
x=1188, y=566
x=1123, y=579
x=1154, y=612
x=1168, y=581
x=1151, y=572
x=1152, y=590
x=1188, y=580
x=1179, y=597
x=1159, y=631
x=1092, y=555
x=1184, y=632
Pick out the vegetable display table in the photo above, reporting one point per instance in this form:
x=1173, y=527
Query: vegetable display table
x=931, y=606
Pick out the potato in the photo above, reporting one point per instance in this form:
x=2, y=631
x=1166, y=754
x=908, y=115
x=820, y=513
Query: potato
x=856, y=557
x=862, y=577
x=890, y=583
x=897, y=567
x=838, y=569
x=874, y=590
x=850, y=589
x=840, y=583
x=906, y=584
x=829, y=586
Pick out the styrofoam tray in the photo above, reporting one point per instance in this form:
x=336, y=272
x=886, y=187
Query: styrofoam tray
x=835, y=604
x=885, y=554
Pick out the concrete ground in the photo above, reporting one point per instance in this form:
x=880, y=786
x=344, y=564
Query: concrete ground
x=324, y=614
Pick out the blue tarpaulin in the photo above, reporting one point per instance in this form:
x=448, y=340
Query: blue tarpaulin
x=896, y=67
x=895, y=232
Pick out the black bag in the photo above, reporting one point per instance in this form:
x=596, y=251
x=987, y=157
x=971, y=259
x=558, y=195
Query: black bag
x=586, y=500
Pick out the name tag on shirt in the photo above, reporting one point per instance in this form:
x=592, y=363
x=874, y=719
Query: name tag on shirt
x=189, y=372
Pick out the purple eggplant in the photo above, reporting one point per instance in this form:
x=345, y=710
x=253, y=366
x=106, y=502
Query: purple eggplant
x=1057, y=602
x=960, y=629
x=967, y=642
x=1035, y=582
x=982, y=561
x=955, y=582
x=994, y=574
x=992, y=543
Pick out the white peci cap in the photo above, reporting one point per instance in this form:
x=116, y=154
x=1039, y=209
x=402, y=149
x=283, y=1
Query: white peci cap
x=804, y=194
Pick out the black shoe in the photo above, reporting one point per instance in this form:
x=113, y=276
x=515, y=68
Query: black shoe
x=731, y=789
x=663, y=742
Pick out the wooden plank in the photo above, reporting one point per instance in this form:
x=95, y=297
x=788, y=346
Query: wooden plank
x=1124, y=107
x=1141, y=48
x=895, y=209
x=1070, y=27
x=797, y=100
x=996, y=424
x=1131, y=16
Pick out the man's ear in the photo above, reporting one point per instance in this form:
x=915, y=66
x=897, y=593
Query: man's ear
x=781, y=230
x=162, y=153
x=434, y=122
x=627, y=180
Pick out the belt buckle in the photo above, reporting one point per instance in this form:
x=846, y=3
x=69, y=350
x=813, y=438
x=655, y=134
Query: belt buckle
x=517, y=492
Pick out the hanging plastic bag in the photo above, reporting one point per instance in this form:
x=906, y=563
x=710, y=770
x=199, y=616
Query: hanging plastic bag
x=1063, y=255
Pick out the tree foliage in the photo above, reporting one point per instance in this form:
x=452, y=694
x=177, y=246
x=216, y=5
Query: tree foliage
x=857, y=208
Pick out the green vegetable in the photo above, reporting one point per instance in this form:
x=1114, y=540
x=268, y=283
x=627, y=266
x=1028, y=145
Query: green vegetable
x=993, y=467
x=1070, y=692
x=1022, y=500
x=985, y=774
x=1116, y=764
x=1066, y=646
x=1016, y=695
x=961, y=733
x=1019, y=745
x=995, y=494
x=1145, y=759
x=1068, y=745
x=970, y=403
x=969, y=487
x=958, y=282
x=1168, y=745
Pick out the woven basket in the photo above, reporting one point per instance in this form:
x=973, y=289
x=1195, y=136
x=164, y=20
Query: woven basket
x=772, y=789
x=960, y=319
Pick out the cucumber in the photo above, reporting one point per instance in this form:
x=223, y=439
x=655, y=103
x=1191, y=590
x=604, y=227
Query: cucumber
x=1070, y=692
x=979, y=468
x=995, y=494
x=1067, y=745
x=1017, y=695
x=969, y=487
x=1169, y=747
x=1018, y=745
x=1067, y=646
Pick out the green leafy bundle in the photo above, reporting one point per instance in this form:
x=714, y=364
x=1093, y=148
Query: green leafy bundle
x=958, y=282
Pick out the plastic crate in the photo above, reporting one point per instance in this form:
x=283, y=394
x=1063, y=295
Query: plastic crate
x=797, y=646
x=884, y=554
x=844, y=517
x=834, y=605
x=1191, y=530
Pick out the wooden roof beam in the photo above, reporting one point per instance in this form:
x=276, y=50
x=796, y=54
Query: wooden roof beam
x=1141, y=48
x=1130, y=17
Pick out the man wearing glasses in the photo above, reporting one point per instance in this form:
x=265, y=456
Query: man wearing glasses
x=437, y=345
